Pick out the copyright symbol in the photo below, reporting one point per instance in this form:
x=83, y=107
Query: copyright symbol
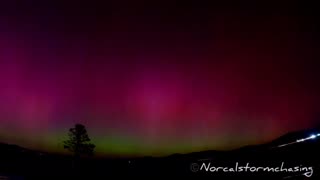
x=194, y=167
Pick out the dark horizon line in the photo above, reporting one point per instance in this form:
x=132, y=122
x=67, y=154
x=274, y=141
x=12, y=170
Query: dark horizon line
x=118, y=156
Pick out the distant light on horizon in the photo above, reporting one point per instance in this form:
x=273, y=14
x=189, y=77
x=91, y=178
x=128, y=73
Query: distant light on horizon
x=312, y=136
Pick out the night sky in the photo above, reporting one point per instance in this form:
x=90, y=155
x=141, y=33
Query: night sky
x=157, y=78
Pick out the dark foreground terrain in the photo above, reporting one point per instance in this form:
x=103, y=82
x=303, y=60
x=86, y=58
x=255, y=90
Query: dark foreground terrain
x=268, y=161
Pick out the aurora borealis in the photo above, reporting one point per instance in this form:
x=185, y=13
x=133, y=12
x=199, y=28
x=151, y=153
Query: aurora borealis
x=156, y=79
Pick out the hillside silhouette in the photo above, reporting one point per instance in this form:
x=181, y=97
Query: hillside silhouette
x=24, y=163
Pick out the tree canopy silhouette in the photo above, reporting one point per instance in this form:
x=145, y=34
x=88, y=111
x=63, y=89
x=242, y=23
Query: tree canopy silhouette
x=79, y=141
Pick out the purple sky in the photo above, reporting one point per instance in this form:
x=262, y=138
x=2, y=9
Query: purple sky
x=157, y=78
